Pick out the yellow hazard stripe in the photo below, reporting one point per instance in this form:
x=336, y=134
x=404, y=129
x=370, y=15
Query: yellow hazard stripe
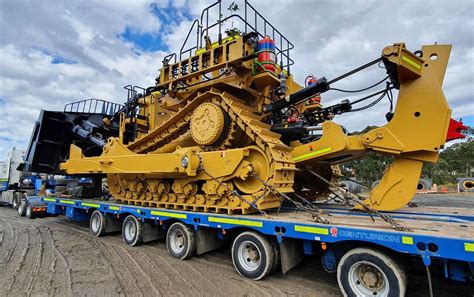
x=235, y=222
x=469, y=247
x=90, y=204
x=169, y=214
x=67, y=201
x=407, y=240
x=49, y=199
x=114, y=207
x=314, y=230
x=411, y=62
x=312, y=154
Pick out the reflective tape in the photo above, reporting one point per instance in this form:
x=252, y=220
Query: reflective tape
x=314, y=230
x=411, y=62
x=407, y=240
x=235, y=222
x=469, y=247
x=114, y=207
x=67, y=201
x=169, y=214
x=49, y=199
x=90, y=204
x=312, y=154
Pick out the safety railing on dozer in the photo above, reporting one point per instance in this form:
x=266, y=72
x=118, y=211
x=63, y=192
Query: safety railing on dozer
x=251, y=19
x=91, y=106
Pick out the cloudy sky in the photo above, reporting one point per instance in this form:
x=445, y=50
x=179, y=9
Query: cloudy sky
x=55, y=52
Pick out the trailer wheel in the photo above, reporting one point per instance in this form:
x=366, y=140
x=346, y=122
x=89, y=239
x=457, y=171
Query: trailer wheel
x=369, y=272
x=181, y=241
x=97, y=224
x=21, y=208
x=253, y=255
x=29, y=213
x=277, y=262
x=132, y=231
x=16, y=200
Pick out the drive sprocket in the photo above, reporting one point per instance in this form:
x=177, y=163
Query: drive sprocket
x=209, y=123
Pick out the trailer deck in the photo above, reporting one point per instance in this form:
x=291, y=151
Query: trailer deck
x=439, y=232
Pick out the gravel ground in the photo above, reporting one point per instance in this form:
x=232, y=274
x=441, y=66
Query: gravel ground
x=452, y=200
x=55, y=256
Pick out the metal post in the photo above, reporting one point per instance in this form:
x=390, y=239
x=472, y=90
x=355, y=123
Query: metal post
x=245, y=17
x=288, y=57
x=220, y=24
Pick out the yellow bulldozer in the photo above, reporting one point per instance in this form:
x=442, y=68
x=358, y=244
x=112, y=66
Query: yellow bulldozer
x=226, y=128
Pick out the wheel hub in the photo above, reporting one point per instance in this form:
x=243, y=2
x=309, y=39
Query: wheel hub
x=249, y=256
x=252, y=253
x=177, y=241
x=130, y=231
x=371, y=277
x=95, y=224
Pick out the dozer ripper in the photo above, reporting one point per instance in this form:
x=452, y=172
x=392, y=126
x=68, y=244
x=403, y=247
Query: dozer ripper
x=227, y=129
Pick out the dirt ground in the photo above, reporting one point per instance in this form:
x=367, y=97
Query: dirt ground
x=55, y=256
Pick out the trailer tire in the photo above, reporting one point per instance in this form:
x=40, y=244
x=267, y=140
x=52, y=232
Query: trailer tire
x=181, y=241
x=29, y=213
x=21, y=208
x=369, y=272
x=250, y=245
x=277, y=262
x=16, y=200
x=97, y=224
x=132, y=231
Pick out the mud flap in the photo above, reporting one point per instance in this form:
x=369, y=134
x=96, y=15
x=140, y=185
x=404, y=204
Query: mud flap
x=292, y=254
x=152, y=232
x=207, y=240
x=112, y=224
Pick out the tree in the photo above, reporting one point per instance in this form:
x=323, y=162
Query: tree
x=456, y=160
x=370, y=168
x=232, y=31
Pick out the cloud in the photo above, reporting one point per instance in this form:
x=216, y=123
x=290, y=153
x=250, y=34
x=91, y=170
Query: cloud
x=55, y=52
x=332, y=37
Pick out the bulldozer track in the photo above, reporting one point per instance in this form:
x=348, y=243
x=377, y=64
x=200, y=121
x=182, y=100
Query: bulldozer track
x=282, y=167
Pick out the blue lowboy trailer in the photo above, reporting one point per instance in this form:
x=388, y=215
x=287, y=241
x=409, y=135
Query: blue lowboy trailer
x=369, y=256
